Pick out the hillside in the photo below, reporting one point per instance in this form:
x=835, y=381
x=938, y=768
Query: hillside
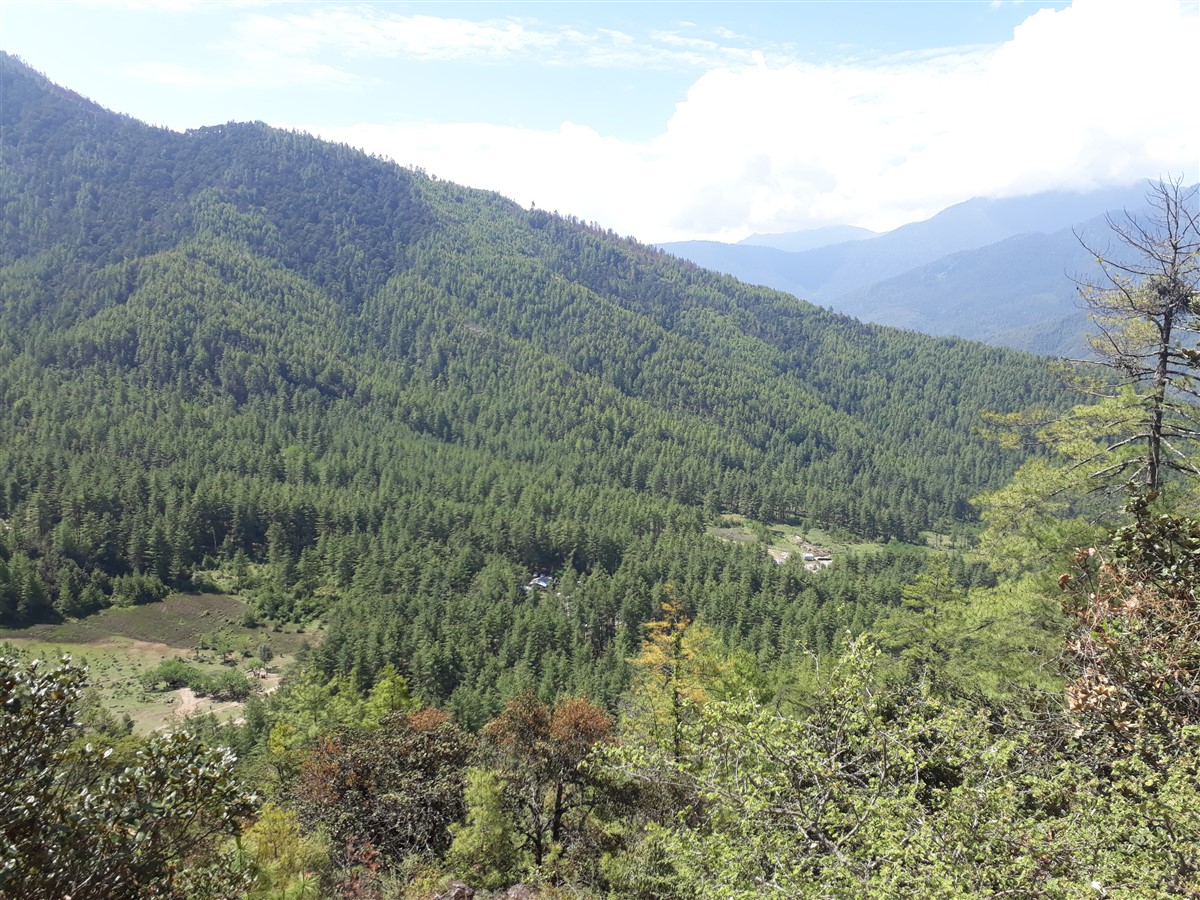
x=401, y=396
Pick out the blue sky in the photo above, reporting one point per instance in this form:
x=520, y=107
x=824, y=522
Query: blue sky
x=669, y=120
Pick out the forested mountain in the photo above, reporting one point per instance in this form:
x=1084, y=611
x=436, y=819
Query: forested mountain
x=371, y=398
x=997, y=271
x=244, y=342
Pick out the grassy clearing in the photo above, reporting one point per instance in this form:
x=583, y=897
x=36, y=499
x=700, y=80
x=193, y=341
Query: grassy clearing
x=735, y=535
x=177, y=621
x=119, y=646
x=818, y=537
x=115, y=668
x=780, y=539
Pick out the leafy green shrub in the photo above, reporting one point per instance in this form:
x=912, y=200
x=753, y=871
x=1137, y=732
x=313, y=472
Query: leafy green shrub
x=73, y=824
x=228, y=685
x=171, y=675
x=288, y=862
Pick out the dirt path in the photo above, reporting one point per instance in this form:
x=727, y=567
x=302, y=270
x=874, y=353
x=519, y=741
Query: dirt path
x=187, y=703
x=190, y=704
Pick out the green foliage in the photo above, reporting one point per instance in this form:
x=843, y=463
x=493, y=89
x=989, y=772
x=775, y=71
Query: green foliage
x=824, y=803
x=682, y=664
x=1066, y=499
x=227, y=684
x=484, y=851
x=917, y=630
x=389, y=696
x=647, y=867
x=170, y=675
x=288, y=864
x=999, y=641
x=74, y=825
x=878, y=791
x=134, y=590
x=307, y=707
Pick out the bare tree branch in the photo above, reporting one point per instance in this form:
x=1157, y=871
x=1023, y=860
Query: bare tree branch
x=1147, y=302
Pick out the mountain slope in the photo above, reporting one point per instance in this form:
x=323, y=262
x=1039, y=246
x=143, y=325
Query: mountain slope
x=397, y=396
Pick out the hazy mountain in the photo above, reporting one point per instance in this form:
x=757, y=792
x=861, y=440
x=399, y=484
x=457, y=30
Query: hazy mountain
x=798, y=241
x=979, y=222
x=754, y=265
x=1019, y=292
x=846, y=276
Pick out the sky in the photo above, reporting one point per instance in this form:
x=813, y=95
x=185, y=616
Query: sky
x=670, y=120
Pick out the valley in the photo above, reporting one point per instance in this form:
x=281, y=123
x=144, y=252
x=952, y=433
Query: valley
x=419, y=544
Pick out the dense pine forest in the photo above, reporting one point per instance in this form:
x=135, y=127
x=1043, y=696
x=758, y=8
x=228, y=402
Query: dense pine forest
x=243, y=341
x=381, y=403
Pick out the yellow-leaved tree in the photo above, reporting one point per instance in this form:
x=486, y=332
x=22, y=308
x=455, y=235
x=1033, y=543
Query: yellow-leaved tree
x=682, y=665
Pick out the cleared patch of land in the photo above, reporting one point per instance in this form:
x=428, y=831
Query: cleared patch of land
x=785, y=542
x=119, y=646
x=735, y=534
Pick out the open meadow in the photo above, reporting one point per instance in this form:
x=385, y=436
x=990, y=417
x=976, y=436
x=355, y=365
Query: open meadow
x=120, y=646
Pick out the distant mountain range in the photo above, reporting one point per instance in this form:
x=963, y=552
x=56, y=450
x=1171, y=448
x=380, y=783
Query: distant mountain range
x=998, y=271
x=799, y=241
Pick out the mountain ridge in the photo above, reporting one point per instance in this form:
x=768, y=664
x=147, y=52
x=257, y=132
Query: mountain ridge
x=811, y=239
x=244, y=342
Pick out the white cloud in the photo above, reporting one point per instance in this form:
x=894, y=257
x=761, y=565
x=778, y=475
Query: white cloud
x=1097, y=93
x=558, y=169
x=374, y=31
x=366, y=31
x=275, y=45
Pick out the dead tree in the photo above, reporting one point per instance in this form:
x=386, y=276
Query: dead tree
x=1145, y=307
